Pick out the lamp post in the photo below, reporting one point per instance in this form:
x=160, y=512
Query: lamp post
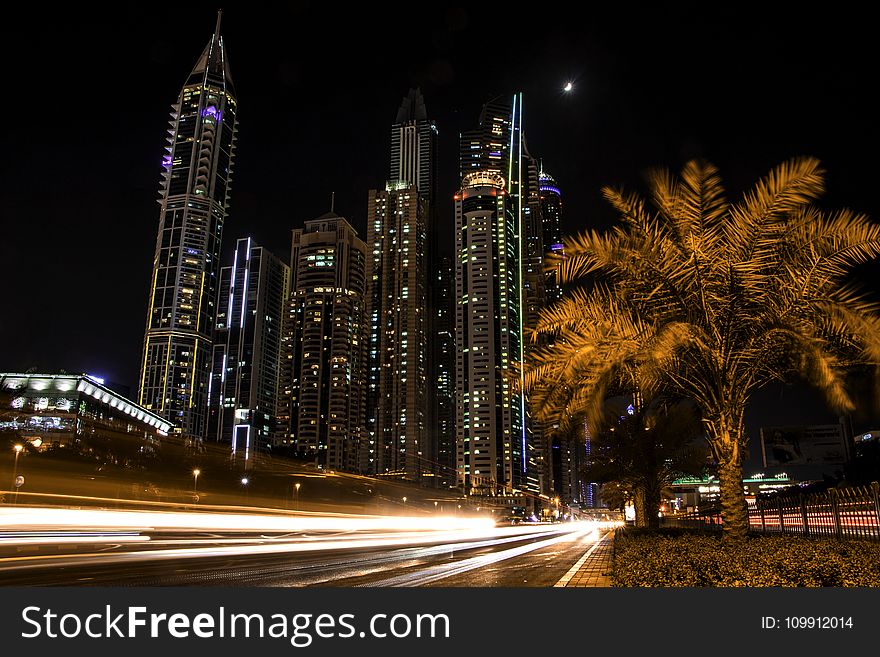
x=244, y=482
x=17, y=449
x=296, y=496
x=435, y=505
x=196, y=474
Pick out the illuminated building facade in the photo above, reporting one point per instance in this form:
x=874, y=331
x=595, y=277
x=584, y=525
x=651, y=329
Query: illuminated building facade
x=492, y=439
x=443, y=368
x=414, y=146
x=194, y=199
x=551, y=217
x=491, y=448
x=243, y=388
x=76, y=413
x=323, y=381
x=398, y=220
x=534, y=299
x=398, y=347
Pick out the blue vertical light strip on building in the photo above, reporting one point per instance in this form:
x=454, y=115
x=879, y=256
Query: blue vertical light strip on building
x=522, y=395
x=231, y=290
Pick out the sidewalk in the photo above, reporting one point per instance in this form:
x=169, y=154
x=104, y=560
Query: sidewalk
x=594, y=568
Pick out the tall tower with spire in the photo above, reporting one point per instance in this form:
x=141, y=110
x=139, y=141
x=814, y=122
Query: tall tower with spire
x=399, y=433
x=492, y=450
x=194, y=201
x=414, y=146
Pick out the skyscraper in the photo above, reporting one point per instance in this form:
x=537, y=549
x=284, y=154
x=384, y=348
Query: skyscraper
x=243, y=388
x=491, y=440
x=324, y=387
x=493, y=146
x=414, y=146
x=399, y=219
x=491, y=452
x=551, y=216
x=398, y=349
x=442, y=384
x=194, y=200
x=534, y=299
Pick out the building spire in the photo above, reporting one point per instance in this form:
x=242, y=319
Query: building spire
x=217, y=29
x=213, y=61
x=412, y=108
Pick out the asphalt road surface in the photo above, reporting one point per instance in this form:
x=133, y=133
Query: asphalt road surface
x=461, y=556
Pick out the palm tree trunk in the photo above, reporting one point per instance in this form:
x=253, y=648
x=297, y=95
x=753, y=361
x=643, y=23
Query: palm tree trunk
x=652, y=505
x=725, y=439
x=639, y=506
x=734, y=511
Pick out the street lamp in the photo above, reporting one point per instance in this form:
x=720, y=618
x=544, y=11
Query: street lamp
x=196, y=474
x=244, y=482
x=17, y=449
x=296, y=496
x=404, y=499
x=435, y=505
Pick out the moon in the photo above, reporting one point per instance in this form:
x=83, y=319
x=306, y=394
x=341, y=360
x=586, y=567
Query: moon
x=568, y=87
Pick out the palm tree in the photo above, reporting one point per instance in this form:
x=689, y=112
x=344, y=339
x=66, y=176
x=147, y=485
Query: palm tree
x=644, y=450
x=709, y=300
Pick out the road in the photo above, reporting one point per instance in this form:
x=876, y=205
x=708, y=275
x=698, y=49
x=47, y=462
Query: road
x=170, y=548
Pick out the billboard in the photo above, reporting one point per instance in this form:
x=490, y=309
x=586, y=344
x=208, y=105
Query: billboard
x=803, y=445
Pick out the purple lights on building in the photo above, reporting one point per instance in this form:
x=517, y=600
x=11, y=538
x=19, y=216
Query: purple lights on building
x=166, y=161
x=212, y=112
x=556, y=247
x=550, y=188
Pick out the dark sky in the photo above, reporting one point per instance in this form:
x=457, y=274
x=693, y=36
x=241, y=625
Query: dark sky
x=87, y=93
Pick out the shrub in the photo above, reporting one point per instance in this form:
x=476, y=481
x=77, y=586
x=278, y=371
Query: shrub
x=681, y=558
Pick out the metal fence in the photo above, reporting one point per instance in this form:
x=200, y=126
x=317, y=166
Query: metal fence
x=852, y=512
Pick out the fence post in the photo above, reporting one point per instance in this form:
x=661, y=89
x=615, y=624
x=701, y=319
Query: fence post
x=835, y=513
x=804, y=514
x=763, y=523
x=781, y=517
x=875, y=488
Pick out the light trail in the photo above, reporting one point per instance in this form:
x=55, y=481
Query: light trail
x=30, y=518
x=442, y=571
x=57, y=538
x=348, y=533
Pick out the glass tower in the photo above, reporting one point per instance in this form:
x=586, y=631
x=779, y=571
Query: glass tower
x=325, y=335
x=243, y=388
x=398, y=220
x=398, y=348
x=491, y=434
x=194, y=200
x=551, y=216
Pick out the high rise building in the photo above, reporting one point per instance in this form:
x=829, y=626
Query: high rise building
x=442, y=350
x=500, y=289
x=398, y=348
x=414, y=146
x=325, y=337
x=491, y=434
x=551, y=217
x=491, y=451
x=534, y=298
x=194, y=200
x=243, y=388
x=493, y=146
x=402, y=237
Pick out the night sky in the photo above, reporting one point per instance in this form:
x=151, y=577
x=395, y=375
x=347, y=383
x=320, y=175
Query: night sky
x=87, y=94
